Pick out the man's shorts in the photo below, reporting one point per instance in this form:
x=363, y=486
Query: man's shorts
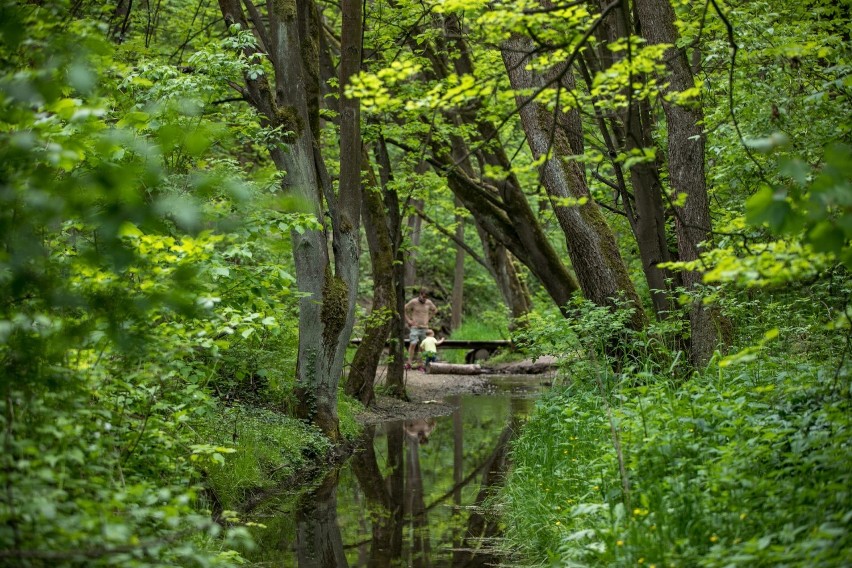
x=416, y=335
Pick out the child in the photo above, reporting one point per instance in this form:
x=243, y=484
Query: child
x=430, y=348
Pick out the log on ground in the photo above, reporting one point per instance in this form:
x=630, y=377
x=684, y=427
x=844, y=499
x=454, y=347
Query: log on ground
x=454, y=369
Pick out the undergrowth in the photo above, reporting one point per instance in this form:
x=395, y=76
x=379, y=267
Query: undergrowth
x=743, y=464
x=258, y=449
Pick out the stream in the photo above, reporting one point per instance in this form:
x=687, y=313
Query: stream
x=412, y=494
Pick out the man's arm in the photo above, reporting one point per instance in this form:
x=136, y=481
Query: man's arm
x=406, y=311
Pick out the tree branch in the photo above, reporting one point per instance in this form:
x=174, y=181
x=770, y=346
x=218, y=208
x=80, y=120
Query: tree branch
x=440, y=228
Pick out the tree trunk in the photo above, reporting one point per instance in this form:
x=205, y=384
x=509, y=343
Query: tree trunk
x=454, y=369
x=414, y=224
x=458, y=275
x=650, y=228
x=530, y=246
x=326, y=310
x=515, y=227
x=686, y=165
x=119, y=22
x=502, y=267
x=594, y=253
x=362, y=371
x=396, y=363
x=632, y=130
x=500, y=206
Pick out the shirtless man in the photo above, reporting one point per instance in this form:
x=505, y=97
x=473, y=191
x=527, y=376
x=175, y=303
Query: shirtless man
x=418, y=312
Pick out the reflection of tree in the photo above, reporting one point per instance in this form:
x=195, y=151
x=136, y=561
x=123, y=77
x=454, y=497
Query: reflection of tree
x=318, y=540
x=384, y=547
x=481, y=526
x=415, y=507
x=458, y=469
x=398, y=501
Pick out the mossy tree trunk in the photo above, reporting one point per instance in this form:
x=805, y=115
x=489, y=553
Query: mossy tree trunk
x=396, y=351
x=289, y=36
x=362, y=371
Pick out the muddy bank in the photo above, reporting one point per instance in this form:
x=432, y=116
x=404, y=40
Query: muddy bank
x=427, y=392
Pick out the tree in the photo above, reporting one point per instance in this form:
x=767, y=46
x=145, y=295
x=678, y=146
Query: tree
x=684, y=123
x=362, y=371
x=594, y=253
x=289, y=35
x=499, y=205
x=626, y=131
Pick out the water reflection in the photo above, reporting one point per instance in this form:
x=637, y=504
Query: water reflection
x=412, y=495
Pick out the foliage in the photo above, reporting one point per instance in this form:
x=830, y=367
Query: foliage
x=782, y=168
x=140, y=266
x=148, y=313
x=743, y=465
x=269, y=449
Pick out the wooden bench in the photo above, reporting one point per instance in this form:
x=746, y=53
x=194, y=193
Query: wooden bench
x=478, y=349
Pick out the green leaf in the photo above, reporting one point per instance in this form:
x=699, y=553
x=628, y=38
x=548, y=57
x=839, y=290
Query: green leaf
x=795, y=169
x=826, y=237
x=768, y=144
x=770, y=207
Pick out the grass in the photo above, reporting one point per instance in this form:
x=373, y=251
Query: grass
x=266, y=448
x=747, y=466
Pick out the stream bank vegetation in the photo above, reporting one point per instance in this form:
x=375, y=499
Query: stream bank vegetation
x=659, y=192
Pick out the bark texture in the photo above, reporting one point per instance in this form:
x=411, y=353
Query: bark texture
x=594, y=253
x=328, y=281
x=362, y=371
x=686, y=164
x=395, y=380
x=626, y=131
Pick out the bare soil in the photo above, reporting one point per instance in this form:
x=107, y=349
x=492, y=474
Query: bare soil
x=427, y=393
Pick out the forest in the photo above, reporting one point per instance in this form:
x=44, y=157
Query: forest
x=203, y=203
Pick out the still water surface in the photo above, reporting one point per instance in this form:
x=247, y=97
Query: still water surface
x=411, y=494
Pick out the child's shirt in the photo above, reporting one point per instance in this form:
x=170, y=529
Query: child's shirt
x=429, y=345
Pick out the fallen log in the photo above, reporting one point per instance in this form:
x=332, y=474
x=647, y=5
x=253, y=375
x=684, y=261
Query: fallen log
x=453, y=369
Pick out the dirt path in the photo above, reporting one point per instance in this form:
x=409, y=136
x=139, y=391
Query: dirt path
x=428, y=392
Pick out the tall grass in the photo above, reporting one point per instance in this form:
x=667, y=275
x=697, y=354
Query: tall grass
x=746, y=464
x=261, y=448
